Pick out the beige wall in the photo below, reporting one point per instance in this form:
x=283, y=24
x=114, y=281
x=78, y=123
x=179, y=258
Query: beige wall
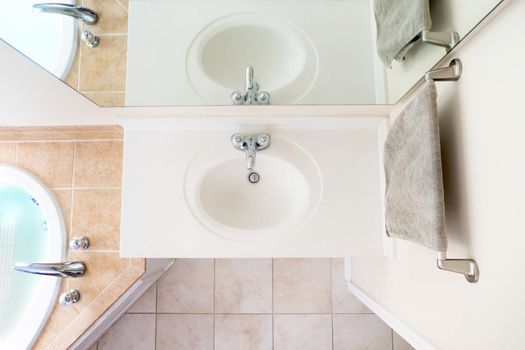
x=483, y=143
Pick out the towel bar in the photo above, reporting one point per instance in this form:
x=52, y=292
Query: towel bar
x=450, y=73
x=445, y=39
x=467, y=267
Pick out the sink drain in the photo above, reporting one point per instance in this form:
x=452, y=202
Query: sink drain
x=253, y=177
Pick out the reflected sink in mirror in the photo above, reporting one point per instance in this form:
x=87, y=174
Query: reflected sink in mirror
x=284, y=58
x=174, y=53
x=222, y=198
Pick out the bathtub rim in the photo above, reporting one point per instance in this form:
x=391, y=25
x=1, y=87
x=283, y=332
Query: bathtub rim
x=32, y=323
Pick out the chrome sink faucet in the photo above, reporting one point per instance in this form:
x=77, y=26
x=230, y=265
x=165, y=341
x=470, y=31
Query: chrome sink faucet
x=83, y=14
x=250, y=144
x=62, y=269
x=251, y=94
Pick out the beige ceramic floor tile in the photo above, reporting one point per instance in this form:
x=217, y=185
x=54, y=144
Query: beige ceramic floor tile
x=303, y=332
x=184, y=332
x=7, y=153
x=343, y=301
x=51, y=161
x=96, y=214
x=107, y=99
x=104, y=68
x=98, y=164
x=114, y=18
x=301, y=286
x=241, y=332
x=243, y=286
x=400, y=343
x=187, y=287
x=356, y=332
x=59, y=319
x=147, y=302
x=131, y=332
x=101, y=270
x=64, y=201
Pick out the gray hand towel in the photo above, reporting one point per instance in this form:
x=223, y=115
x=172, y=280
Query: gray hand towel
x=399, y=26
x=415, y=208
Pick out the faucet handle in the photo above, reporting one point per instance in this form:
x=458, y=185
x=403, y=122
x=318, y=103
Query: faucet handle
x=71, y=297
x=263, y=141
x=237, y=140
x=79, y=243
x=262, y=98
x=249, y=78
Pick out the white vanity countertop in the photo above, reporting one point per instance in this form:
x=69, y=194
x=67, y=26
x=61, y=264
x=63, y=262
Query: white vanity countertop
x=158, y=219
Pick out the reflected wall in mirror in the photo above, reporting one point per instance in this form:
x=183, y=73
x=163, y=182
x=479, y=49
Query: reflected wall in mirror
x=225, y=52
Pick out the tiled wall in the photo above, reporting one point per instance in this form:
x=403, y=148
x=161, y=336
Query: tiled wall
x=229, y=304
x=83, y=167
x=100, y=73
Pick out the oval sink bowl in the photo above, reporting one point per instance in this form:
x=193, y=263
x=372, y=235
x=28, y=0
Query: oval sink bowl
x=283, y=57
x=220, y=196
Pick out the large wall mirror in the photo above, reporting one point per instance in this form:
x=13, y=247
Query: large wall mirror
x=225, y=52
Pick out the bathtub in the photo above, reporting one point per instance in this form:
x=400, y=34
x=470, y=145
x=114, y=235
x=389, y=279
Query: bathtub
x=50, y=40
x=31, y=230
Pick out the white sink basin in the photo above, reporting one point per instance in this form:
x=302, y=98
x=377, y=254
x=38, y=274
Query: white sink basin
x=186, y=192
x=283, y=57
x=221, y=197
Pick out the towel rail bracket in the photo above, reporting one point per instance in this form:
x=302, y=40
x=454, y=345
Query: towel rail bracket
x=450, y=73
x=445, y=39
x=467, y=267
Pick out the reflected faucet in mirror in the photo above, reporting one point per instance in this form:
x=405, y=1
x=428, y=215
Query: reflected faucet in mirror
x=83, y=14
x=308, y=54
x=251, y=94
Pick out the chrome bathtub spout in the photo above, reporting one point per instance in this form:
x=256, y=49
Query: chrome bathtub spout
x=62, y=269
x=83, y=14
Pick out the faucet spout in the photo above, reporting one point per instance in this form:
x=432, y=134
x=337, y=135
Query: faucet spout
x=249, y=78
x=83, y=14
x=62, y=269
x=250, y=145
x=251, y=94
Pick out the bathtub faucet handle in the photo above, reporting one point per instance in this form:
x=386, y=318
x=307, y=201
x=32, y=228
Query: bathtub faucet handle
x=79, y=243
x=71, y=297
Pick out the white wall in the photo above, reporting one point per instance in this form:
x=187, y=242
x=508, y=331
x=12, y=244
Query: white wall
x=483, y=143
x=29, y=95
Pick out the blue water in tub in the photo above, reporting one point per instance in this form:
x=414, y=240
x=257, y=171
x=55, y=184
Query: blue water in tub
x=23, y=238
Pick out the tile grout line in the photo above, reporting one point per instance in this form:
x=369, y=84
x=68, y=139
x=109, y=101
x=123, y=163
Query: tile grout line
x=214, y=299
x=83, y=188
x=121, y=5
x=331, y=301
x=260, y=313
x=59, y=140
x=72, y=195
x=273, y=315
x=103, y=91
x=156, y=314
